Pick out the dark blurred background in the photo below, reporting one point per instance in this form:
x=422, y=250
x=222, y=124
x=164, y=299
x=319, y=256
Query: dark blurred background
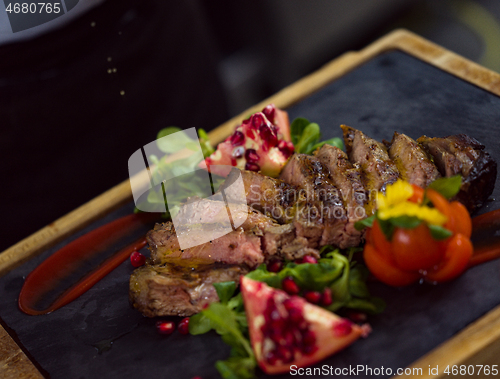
x=79, y=99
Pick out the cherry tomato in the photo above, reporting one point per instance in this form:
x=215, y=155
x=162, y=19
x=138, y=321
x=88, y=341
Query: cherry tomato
x=415, y=249
x=385, y=270
x=418, y=194
x=461, y=218
x=442, y=205
x=457, y=255
x=379, y=241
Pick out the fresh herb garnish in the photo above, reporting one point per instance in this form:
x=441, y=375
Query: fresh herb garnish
x=345, y=278
x=306, y=136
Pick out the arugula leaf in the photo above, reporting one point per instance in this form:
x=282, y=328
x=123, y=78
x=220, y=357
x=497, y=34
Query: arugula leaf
x=225, y=290
x=365, y=223
x=199, y=324
x=206, y=146
x=173, y=145
x=337, y=142
x=448, y=187
x=297, y=129
x=237, y=368
x=310, y=136
x=407, y=222
x=439, y=233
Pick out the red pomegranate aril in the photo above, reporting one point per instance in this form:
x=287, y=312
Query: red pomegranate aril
x=309, y=259
x=165, y=327
x=326, y=299
x=271, y=358
x=285, y=354
x=137, y=259
x=258, y=120
x=309, y=338
x=252, y=167
x=237, y=138
x=313, y=297
x=357, y=317
x=268, y=135
x=343, y=328
x=286, y=148
x=184, y=326
x=270, y=111
x=238, y=152
x=251, y=156
x=274, y=266
x=309, y=349
x=289, y=286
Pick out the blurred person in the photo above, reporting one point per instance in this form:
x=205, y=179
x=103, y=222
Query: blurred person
x=79, y=94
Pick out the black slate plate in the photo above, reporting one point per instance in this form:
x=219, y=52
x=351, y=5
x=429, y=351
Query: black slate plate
x=393, y=92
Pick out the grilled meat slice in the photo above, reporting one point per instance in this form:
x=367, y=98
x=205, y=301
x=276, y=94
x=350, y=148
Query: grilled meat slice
x=237, y=247
x=378, y=169
x=347, y=178
x=272, y=197
x=172, y=290
x=412, y=161
x=464, y=155
x=322, y=217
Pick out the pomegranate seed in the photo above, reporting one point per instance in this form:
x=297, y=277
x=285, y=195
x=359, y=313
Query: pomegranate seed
x=313, y=297
x=307, y=259
x=309, y=349
x=251, y=156
x=289, y=286
x=184, y=326
x=326, y=299
x=137, y=259
x=238, y=152
x=309, y=338
x=286, y=148
x=271, y=358
x=285, y=354
x=268, y=136
x=269, y=112
x=343, y=328
x=252, y=167
x=165, y=327
x=257, y=120
x=357, y=316
x=274, y=266
x=196, y=377
x=237, y=138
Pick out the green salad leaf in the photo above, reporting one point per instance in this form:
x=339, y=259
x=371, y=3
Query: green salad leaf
x=306, y=136
x=345, y=278
x=448, y=187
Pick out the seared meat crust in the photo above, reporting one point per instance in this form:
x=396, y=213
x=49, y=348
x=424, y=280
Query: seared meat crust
x=322, y=217
x=464, y=155
x=171, y=290
x=347, y=178
x=413, y=163
x=378, y=169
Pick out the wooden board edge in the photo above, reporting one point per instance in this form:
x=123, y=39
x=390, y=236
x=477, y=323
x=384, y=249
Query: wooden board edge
x=14, y=363
x=400, y=39
x=478, y=343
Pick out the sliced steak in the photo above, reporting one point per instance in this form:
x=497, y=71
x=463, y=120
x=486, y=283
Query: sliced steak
x=378, y=169
x=237, y=247
x=273, y=197
x=171, y=290
x=348, y=178
x=322, y=217
x=464, y=155
x=412, y=161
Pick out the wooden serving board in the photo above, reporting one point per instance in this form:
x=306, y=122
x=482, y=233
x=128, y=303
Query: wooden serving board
x=478, y=343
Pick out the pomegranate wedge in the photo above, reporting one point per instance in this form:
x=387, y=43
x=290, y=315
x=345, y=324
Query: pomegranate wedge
x=287, y=330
